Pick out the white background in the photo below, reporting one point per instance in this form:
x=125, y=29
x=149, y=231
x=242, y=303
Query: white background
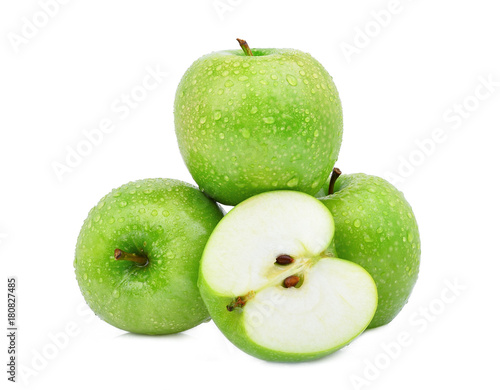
x=408, y=77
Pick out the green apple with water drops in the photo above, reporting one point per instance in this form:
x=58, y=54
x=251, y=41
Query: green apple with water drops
x=274, y=288
x=255, y=120
x=138, y=252
x=375, y=227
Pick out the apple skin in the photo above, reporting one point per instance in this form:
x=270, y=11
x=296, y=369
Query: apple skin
x=251, y=124
x=376, y=228
x=168, y=221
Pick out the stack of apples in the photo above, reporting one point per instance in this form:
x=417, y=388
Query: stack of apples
x=305, y=261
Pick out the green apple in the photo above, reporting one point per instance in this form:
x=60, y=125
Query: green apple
x=272, y=286
x=376, y=228
x=157, y=229
x=248, y=124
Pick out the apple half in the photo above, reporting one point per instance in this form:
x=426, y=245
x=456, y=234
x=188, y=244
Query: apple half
x=272, y=286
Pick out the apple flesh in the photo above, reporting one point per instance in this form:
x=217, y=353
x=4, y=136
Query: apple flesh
x=250, y=124
x=157, y=228
x=376, y=228
x=272, y=286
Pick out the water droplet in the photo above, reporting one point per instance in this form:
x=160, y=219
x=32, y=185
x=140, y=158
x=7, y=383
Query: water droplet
x=315, y=75
x=243, y=78
x=221, y=135
x=380, y=230
x=123, y=203
x=142, y=210
x=217, y=115
x=203, y=119
x=268, y=120
x=246, y=64
x=85, y=277
x=228, y=83
x=111, y=220
x=367, y=238
x=410, y=237
x=316, y=133
x=254, y=110
x=116, y=294
x=245, y=133
x=357, y=223
x=292, y=182
x=165, y=213
x=226, y=178
x=154, y=213
x=274, y=77
x=170, y=255
x=291, y=80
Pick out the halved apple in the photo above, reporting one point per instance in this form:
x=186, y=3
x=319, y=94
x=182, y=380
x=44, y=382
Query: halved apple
x=271, y=284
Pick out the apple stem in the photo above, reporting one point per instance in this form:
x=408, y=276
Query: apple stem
x=140, y=260
x=245, y=47
x=335, y=175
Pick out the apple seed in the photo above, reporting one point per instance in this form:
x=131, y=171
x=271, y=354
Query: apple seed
x=291, y=281
x=284, y=259
x=240, y=301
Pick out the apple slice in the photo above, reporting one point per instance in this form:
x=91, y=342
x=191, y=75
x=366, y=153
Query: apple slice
x=272, y=286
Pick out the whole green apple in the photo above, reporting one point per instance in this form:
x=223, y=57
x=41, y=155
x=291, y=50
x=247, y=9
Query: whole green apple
x=273, y=287
x=157, y=229
x=376, y=228
x=248, y=124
